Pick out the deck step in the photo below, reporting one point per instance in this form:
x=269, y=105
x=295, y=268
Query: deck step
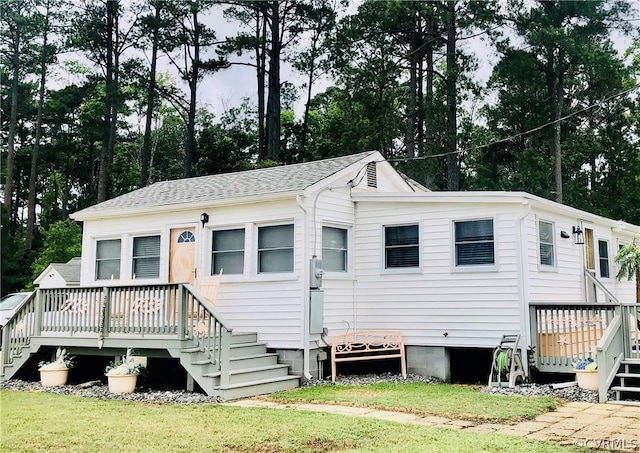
x=626, y=389
x=258, y=387
x=628, y=375
x=624, y=403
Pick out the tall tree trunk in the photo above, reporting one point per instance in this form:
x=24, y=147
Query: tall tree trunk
x=190, y=142
x=556, y=96
x=410, y=131
x=453, y=174
x=427, y=109
x=151, y=96
x=273, y=102
x=105, y=164
x=307, y=103
x=13, y=122
x=33, y=175
x=261, y=61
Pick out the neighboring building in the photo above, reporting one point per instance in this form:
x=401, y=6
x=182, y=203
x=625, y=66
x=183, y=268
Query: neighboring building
x=60, y=275
x=448, y=269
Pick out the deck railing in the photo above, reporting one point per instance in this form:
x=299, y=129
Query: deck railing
x=174, y=311
x=563, y=334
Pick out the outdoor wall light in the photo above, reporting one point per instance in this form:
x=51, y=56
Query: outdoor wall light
x=578, y=236
x=204, y=218
x=564, y=235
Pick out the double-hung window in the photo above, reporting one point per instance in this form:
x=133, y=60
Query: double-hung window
x=227, y=251
x=146, y=257
x=108, y=259
x=275, y=249
x=547, y=246
x=603, y=256
x=334, y=249
x=401, y=247
x=474, y=243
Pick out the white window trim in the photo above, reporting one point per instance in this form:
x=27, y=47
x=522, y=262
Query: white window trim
x=255, y=262
x=130, y=241
x=383, y=260
x=475, y=267
x=208, y=244
x=609, y=259
x=94, y=255
x=554, y=243
x=348, y=272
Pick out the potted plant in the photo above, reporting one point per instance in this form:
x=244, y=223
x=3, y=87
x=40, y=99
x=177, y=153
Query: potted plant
x=55, y=373
x=122, y=375
x=586, y=374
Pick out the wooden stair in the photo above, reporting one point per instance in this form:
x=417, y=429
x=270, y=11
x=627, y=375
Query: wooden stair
x=628, y=390
x=253, y=370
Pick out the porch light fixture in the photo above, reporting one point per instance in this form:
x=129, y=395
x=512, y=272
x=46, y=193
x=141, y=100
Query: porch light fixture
x=578, y=236
x=204, y=218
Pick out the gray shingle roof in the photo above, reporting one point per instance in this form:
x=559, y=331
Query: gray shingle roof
x=227, y=186
x=70, y=270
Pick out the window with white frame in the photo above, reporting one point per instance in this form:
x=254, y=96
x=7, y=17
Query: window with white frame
x=227, y=251
x=547, y=244
x=474, y=242
x=108, y=259
x=603, y=256
x=275, y=249
x=334, y=249
x=401, y=247
x=146, y=257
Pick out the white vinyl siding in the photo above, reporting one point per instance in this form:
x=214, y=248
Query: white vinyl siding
x=275, y=249
x=108, y=259
x=603, y=259
x=401, y=247
x=227, y=251
x=146, y=257
x=547, y=243
x=334, y=249
x=474, y=243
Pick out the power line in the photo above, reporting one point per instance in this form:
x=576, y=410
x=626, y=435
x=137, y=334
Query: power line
x=514, y=136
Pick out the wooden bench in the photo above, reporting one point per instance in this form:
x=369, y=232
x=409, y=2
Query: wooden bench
x=367, y=345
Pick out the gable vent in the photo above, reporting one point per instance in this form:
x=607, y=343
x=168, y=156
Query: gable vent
x=372, y=177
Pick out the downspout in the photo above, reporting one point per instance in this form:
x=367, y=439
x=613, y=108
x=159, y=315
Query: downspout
x=523, y=281
x=306, y=298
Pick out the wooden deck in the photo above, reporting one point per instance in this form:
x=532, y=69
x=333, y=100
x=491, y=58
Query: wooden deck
x=171, y=320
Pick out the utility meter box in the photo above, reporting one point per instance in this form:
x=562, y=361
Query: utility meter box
x=316, y=311
x=315, y=273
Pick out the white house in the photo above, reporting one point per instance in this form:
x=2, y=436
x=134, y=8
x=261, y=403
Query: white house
x=447, y=269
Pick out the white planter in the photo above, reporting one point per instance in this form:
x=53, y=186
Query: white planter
x=54, y=378
x=125, y=383
x=587, y=380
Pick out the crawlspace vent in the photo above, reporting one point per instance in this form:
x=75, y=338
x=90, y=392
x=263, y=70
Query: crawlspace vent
x=372, y=177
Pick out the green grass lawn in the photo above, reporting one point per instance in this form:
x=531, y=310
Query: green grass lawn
x=39, y=422
x=455, y=401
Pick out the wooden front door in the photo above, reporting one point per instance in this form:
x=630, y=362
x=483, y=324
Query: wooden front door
x=182, y=255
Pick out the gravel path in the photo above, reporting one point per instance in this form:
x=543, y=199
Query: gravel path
x=97, y=389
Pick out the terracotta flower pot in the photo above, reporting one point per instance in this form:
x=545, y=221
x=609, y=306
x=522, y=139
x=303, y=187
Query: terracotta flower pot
x=125, y=383
x=587, y=380
x=54, y=378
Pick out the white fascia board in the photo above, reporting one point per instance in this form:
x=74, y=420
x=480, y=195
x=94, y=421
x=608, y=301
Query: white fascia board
x=498, y=198
x=132, y=212
x=354, y=168
x=44, y=273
